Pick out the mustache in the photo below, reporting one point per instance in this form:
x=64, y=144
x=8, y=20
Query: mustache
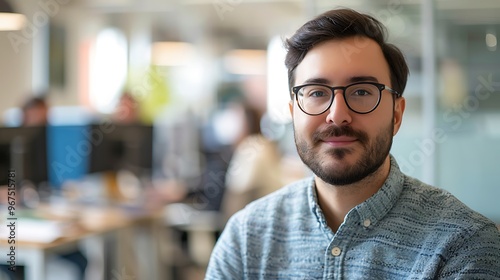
x=337, y=131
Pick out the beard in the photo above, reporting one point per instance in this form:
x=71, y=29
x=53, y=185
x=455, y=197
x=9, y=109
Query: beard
x=373, y=155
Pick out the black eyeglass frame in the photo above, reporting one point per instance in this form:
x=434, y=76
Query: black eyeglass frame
x=381, y=87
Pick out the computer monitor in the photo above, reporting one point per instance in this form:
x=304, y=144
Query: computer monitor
x=68, y=149
x=24, y=151
x=122, y=147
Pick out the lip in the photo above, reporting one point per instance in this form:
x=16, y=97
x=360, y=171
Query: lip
x=340, y=141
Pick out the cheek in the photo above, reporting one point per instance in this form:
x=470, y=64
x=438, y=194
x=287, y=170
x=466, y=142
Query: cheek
x=385, y=113
x=301, y=122
x=376, y=122
x=306, y=126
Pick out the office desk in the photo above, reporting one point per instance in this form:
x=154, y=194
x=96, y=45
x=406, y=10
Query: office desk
x=94, y=222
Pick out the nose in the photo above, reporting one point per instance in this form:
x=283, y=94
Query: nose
x=339, y=113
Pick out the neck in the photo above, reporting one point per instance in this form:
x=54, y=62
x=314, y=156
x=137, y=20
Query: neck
x=337, y=201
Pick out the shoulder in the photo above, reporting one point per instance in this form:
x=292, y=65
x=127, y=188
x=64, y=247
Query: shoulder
x=439, y=209
x=246, y=231
x=468, y=242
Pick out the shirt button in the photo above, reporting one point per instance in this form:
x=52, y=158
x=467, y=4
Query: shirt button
x=367, y=223
x=336, y=251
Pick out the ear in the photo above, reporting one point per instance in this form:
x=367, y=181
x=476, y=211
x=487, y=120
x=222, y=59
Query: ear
x=290, y=106
x=399, y=108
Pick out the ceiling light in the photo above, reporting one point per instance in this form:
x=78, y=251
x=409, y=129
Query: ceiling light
x=491, y=41
x=10, y=20
x=246, y=62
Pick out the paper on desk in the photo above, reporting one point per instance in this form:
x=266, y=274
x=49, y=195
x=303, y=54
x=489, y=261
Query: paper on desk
x=31, y=230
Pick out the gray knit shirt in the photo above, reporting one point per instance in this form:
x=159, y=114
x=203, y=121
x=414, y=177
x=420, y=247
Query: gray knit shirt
x=407, y=230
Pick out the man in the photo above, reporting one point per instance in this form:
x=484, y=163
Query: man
x=359, y=216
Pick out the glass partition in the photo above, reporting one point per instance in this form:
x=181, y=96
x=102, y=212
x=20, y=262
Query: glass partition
x=468, y=102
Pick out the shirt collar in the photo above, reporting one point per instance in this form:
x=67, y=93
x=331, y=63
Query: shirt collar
x=312, y=198
x=374, y=208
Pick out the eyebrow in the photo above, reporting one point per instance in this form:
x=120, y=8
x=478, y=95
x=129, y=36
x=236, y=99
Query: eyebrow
x=317, y=81
x=354, y=79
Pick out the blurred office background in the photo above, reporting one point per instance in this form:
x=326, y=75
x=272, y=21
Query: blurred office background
x=192, y=69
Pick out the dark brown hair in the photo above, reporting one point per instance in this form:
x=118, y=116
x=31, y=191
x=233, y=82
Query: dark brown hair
x=340, y=24
x=34, y=102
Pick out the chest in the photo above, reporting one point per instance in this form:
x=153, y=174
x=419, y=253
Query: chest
x=352, y=253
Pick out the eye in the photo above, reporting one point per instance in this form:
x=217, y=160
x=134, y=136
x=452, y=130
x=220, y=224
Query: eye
x=361, y=92
x=315, y=92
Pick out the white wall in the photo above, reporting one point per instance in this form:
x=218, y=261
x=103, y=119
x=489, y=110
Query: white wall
x=15, y=64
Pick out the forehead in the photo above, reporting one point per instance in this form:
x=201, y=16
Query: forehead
x=337, y=61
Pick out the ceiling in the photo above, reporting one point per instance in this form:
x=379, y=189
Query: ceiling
x=251, y=23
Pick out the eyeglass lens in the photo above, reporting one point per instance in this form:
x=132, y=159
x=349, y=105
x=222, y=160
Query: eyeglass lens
x=361, y=98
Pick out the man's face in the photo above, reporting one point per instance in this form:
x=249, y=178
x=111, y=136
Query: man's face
x=340, y=146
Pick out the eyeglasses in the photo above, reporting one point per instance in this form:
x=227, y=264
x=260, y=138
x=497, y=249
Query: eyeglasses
x=362, y=98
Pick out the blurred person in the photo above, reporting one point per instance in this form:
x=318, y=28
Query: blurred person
x=358, y=216
x=127, y=110
x=255, y=166
x=35, y=111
